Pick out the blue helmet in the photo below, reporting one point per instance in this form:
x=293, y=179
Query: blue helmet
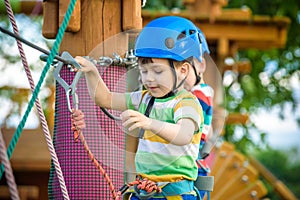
x=170, y=37
x=205, y=48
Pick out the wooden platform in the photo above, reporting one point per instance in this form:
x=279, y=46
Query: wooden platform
x=31, y=164
x=235, y=178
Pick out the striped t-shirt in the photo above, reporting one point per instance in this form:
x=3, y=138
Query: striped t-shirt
x=204, y=94
x=156, y=158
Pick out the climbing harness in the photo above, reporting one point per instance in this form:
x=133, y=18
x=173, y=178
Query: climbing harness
x=144, y=188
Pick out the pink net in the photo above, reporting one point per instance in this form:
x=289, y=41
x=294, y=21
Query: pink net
x=105, y=138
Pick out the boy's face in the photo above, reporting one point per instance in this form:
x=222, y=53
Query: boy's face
x=157, y=77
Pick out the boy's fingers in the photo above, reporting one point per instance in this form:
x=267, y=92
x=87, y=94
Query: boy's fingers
x=129, y=121
x=134, y=126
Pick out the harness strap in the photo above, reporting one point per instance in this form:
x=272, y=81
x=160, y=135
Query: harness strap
x=205, y=183
x=178, y=188
x=147, y=113
x=168, y=189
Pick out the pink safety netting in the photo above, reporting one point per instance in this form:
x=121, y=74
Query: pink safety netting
x=105, y=137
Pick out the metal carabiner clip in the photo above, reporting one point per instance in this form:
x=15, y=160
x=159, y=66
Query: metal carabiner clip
x=69, y=89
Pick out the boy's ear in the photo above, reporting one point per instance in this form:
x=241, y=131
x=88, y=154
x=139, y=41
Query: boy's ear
x=185, y=67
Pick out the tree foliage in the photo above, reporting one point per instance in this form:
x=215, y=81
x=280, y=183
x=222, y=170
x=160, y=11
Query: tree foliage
x=12, y=94
x=269, y=84
x=283, y=164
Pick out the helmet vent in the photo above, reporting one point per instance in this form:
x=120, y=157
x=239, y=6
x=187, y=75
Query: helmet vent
x=181, y=35
x=169, y=42
x=192, y=32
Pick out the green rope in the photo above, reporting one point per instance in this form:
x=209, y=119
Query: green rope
x=36, y=91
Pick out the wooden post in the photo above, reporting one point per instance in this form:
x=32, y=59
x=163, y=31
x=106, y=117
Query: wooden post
x=132, y=17
x=95, y=29
x=100, y=20
x=92, y=22
x=74, y=23
x=50, y=14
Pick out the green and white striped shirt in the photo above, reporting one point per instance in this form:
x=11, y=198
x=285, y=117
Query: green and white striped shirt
x=156, y=158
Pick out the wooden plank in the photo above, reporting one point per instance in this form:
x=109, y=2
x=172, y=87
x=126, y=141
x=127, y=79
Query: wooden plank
x=132, y=17
x=223, y=154
x=241, y=67
x=278, y=186
x=237, y=14
x=237, y=118
x=31, y=151
x=25, y=192
x=50, y=19
x=238, y=182
x=253, y=192
x=230, y=168
x=102, y=19
x=75, y=20
x=240, y=30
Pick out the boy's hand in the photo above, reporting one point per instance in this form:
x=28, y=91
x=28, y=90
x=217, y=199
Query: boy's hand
x=86, y=65
x=78, y=122
x=133, y=119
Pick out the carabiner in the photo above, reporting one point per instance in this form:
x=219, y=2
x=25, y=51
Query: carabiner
x=69, y=89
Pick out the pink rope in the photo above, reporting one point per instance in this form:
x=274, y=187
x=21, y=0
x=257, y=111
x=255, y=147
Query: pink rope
x=79, y=134
x=10, y=179
x=38, y=105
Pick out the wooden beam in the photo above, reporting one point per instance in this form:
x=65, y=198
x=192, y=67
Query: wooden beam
x=244, y=32
x=75, y=19
x=31, y=153
x=278, y=186
x=237, y=118
x=25, y=192
x=241, y=67
x=102, y=19
x=131, y=18
x=50, y=19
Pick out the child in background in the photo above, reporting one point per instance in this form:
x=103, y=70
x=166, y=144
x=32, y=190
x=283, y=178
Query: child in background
x=169, y=117
x=204, y=93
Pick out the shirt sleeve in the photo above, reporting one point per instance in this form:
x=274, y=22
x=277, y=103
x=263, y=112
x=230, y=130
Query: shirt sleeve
x=189, y=108
x=133, y=99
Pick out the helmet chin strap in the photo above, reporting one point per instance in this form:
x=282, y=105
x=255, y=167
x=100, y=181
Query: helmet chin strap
x=198, y=77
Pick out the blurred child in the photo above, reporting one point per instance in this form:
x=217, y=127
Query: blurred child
x=204, y=93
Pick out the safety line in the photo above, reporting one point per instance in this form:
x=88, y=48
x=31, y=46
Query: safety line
x=34, y=98
x=10, y=179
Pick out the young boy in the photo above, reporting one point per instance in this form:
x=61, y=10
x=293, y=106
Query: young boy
x=170, y=118
x=204, y=93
